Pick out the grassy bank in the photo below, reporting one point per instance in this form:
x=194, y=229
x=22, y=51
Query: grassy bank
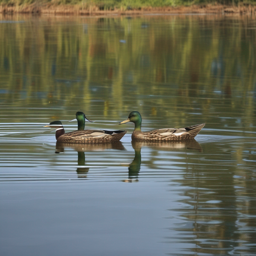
x=89, y=7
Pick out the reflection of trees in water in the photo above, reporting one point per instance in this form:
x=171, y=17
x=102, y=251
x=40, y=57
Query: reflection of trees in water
x=187, y=58
x=217, y=217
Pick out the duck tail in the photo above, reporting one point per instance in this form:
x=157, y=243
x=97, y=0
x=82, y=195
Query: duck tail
x=117, y=135
x=194, y=129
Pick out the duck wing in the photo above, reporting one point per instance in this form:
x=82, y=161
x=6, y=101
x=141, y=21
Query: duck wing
x=174, y=133
x=91, y=136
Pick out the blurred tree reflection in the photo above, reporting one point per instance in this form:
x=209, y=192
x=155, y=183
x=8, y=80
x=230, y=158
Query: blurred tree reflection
x=174, y=64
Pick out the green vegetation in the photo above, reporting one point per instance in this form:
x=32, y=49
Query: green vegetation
x=125, y=4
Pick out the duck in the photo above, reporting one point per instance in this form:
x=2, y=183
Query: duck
x=82, y=136
x=165, y=134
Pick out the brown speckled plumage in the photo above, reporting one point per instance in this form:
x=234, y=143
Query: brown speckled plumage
x=165, y=134
x=91, y=136
x=168, y=134
x=85, y=136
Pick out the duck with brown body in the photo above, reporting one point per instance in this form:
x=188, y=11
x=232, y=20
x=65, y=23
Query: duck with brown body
x=82, y=136
x=165, y=134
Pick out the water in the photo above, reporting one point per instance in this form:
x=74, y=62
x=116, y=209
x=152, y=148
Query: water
x=189, y=198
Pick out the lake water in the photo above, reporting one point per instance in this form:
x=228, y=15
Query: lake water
x=189, y=198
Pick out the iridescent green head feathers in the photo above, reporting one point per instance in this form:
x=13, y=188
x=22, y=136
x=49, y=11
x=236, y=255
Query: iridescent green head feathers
x=81, y=119
x=135, y=118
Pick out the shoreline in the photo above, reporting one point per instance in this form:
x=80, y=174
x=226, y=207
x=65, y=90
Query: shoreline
x=38, y=9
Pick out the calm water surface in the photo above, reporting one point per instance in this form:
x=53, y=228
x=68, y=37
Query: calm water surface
x=189, y=198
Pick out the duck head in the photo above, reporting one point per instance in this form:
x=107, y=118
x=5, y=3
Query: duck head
x=135, y=118
x=57, y=125
x=81, y=119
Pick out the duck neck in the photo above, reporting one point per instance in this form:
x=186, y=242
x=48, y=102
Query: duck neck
x=137, y=125
x=59, y=132
x=81, y=124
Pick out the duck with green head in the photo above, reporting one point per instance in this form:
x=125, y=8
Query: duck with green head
x=165, y=134
x=81, y=119
x=84, y=136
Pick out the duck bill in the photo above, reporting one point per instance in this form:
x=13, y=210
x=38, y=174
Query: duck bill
x=47, y=125
x=125, y=121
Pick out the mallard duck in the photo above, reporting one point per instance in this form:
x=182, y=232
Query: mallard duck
x=84, y=136
x=165, y=134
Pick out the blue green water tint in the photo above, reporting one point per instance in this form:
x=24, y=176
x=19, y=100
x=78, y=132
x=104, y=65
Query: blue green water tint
x=189, y=198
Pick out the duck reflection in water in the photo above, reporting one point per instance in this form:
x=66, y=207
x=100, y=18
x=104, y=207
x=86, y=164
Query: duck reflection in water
x=170, y=145
x=82, y=170
x=134, y=167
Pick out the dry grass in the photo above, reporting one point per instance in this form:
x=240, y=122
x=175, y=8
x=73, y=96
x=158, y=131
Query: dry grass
x=79, y=9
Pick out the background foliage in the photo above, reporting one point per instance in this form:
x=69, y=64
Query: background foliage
x=166, y=66
x=126, y=4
